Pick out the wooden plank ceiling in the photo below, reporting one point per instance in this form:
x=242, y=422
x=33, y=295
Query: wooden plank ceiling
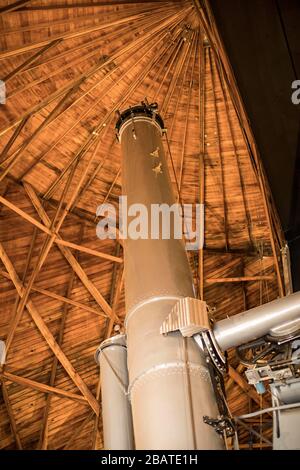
x=68, y=65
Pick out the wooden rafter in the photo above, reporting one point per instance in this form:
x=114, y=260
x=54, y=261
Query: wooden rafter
x=30, y=60
x=42, y=387
x=57, y=239
x=69, y=256
x=173, y=57
x=55, y=226
x=13, y=138
x=248, y=389
x=78, y=431
x=73, y=34
x=215, y=280
x=93, y=5
x=186, y=123
x=43, y=441
x=14, y=6
x=96, y=68
x=97, y=131
x=76, y=19
x=61, y=298
x=96, y=418
x=180, y=64
x=221, y=57
x=231, y=130
x=14, y=317
x=11, y=416
x=94, y=55
x=219, y=149
x=201, y=118
x=47, y=335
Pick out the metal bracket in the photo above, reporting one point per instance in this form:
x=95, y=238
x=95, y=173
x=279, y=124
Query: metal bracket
x=215, y=353
x=221, y=425
x=189, y=316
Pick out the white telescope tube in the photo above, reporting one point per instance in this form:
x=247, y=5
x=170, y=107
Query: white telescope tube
x=116, y=411
x=279, y=316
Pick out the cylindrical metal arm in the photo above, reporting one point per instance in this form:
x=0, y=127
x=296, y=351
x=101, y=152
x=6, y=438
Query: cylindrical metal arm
x=278, y=317
x=116, y=410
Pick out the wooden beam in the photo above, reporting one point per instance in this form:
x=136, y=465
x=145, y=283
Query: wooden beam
x=247, y=388
x=225, y=66
x=112, y=185
x=175, y=52
x=255, y=445
x=78, y=431
x=43, y=441
x=99, y=166
x=77, y=33
x=219, y=147
x=42, y=387
x=94, y=16
x=90, y=251
x=87, y=111
x=56, y=23
x=69, y=256
x=14, y=6
x=134, y=45
x=47, y=335
x=11, y=417
x=55, y=226
x=174, y=47
x=103, y=125
x=237, y=158
x=201, y=118
x=108, y=36
x=13, y=138
x=80, y=153
x=15, y=316
x=13, y=159
x=230, y=382
x=181, y=64
x=94, y=5
x=24, y=215
x=30, y=60
x=179, y=73
x=66, y=300
x=57, y=239
x=215, y=280
x=87, y=283
x=96, y=418
x=246, y=426
x=190, y=88
x=61, y=298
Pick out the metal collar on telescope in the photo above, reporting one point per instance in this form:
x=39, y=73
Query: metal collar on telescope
x=146, y=110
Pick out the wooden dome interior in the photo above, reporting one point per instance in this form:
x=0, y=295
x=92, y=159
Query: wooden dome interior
x=68, y=67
